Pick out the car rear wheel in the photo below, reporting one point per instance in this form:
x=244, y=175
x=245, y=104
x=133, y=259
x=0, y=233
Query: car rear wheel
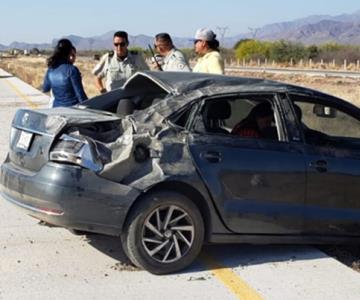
x=164, y=234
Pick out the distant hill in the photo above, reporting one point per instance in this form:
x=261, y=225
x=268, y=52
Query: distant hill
x=323, y=32
x=105, y=41
x=316, y=29
x=20, y=45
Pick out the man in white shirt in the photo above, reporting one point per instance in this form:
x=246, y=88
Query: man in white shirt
x=173, y=59
x=118, y=65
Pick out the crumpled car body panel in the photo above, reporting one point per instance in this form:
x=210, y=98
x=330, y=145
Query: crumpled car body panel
x=84, y=167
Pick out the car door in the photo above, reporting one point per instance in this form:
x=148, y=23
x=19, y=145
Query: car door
x=257, y=184
x=332, y=136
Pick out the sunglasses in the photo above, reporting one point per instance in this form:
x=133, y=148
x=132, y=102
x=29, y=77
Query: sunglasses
x=159, y=45
x=196, y=41
x=122, y=44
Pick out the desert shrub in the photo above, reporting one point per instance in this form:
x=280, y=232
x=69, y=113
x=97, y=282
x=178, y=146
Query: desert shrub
x=284, y=51
x=339, y=52
x=240, y=42
x=312, y=52
x=252, y=49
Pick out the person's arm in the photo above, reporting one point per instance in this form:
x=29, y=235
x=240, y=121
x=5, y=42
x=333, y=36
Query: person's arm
x=99, y=85
x=100, y=71
x=76, y=82
x=46, y=84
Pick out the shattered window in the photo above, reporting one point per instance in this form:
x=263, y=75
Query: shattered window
x=182, y=118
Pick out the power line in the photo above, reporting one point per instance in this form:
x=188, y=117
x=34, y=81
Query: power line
x=253, y=32
x=222, y=30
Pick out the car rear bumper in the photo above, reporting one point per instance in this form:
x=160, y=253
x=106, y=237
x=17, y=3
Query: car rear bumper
x=68, y=196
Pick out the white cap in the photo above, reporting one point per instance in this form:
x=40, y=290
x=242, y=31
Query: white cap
x=205, y=34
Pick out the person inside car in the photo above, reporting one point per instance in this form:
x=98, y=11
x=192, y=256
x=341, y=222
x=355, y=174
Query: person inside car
x=258, y=124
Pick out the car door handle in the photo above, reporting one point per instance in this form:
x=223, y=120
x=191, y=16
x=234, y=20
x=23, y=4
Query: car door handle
x=319, y=165
x=211, y=156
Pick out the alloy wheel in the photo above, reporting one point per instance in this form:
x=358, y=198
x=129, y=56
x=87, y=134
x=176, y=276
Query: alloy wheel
x=167, y=234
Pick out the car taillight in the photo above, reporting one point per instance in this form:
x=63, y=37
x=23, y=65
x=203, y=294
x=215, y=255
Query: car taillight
x=13, y=132
x=77, y=151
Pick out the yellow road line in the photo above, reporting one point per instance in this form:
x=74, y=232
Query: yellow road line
x=231, y=280
x=21, y=94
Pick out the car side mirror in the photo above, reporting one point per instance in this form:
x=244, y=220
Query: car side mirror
x=324, y=111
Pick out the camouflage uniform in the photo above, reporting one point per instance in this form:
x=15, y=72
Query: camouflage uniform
x=175, y=61
x=117, y=71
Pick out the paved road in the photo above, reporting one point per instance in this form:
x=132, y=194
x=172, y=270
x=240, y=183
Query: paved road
x=38, y=262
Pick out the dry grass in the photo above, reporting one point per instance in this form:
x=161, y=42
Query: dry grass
x=32, y=70
x=345, y=88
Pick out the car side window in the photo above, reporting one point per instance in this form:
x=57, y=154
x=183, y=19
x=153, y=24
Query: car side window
x=243, y=117
x=327, y=125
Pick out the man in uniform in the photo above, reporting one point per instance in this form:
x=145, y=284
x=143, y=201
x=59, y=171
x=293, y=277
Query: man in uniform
x=173, y=60
x=118, y=65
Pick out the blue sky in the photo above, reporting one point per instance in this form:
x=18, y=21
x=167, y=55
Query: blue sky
x=41, y=21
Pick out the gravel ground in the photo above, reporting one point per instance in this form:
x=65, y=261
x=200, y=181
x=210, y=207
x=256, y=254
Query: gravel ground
x=348, y=255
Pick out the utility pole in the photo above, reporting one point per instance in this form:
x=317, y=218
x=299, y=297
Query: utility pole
x=133, y=41
x=253, y=32
x=222, y=30
x=91, y=43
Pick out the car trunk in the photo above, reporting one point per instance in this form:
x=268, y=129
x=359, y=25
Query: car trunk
x=33, y=133
x=88, y=135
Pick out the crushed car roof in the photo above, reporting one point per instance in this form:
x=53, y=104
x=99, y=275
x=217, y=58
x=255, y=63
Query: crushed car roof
x=187, y=86
x=185, y=82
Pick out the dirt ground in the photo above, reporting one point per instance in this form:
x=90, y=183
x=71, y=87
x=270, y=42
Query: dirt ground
x=348, y=255
x=32, y=70
x=345, y=88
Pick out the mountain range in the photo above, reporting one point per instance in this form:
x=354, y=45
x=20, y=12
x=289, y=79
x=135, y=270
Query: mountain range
x=316, y=29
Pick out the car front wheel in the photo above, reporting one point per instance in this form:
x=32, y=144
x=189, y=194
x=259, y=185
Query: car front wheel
x=164, y=233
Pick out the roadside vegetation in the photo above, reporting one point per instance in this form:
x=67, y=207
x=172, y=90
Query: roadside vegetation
x=285, y=51
x=32, y=70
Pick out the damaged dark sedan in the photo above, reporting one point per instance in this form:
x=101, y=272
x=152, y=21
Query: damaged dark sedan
x=174, y=160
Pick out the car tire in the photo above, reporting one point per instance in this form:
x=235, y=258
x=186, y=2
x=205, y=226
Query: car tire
x=164, y=233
